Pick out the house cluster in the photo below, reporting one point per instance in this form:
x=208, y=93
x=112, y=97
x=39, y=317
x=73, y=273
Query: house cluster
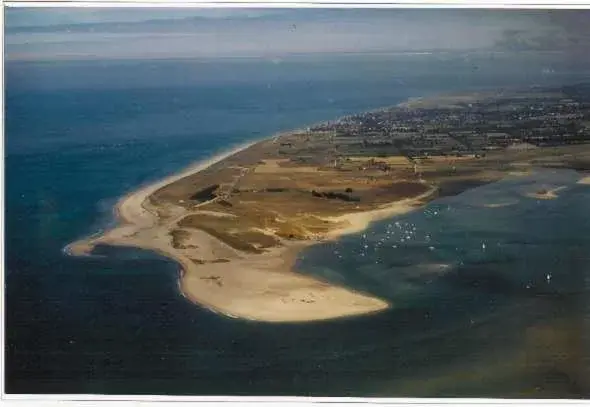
x=472, y=128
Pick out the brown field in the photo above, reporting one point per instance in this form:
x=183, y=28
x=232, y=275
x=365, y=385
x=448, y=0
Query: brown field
x=398, y=160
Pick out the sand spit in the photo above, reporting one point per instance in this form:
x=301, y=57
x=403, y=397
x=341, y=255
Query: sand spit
x=259, y=287
x=584, y=181
x=522, y=173
x=79, y=248
x=500, y=204
x=264, y=288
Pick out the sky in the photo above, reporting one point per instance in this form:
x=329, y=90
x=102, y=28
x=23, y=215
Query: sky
x=86, y=33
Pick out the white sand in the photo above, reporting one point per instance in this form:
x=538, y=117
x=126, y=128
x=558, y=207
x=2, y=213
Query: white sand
x=263, y=287
x=500, y=204
x=130, y=208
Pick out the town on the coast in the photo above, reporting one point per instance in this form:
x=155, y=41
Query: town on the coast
x=466, y=125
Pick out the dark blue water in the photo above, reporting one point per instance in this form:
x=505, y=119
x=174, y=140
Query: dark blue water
x=80, y=135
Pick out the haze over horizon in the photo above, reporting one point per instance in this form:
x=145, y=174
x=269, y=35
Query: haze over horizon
x=83, y=33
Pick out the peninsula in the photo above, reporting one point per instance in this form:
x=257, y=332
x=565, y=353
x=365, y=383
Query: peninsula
x=237, y=222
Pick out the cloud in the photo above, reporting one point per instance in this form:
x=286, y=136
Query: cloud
x=46, y=19
x=548, y=40
x=210, y=33
x=565, y=30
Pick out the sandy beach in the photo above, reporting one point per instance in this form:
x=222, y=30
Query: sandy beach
x=131, y=213
x=260, y=287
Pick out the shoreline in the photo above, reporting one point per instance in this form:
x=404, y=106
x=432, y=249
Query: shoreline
x=143, y=192
x=260, y=286
x=78, y=248
x=136, y=226
x=360, y=221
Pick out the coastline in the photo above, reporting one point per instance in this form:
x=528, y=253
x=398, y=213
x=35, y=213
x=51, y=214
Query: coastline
x=126, y=205
x=259, y=285
x=84, y=245
x=266, y=288
x=360, y=221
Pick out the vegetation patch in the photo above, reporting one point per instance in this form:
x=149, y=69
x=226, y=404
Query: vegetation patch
x=205, y=194
x=335, y=195
x=454, y=187
x=228, y=238
x=405, y=189
x=291, y=231
x=179, y=238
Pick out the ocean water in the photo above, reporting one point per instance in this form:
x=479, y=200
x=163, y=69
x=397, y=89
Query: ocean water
x=504, y=286
x=476, y=315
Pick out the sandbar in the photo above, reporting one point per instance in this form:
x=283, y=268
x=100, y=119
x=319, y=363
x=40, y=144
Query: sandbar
x=545, y=194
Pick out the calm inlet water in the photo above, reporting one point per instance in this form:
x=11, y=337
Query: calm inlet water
x=486, y=301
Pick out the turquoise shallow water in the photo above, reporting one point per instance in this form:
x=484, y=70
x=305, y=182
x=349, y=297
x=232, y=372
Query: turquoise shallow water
x=80, y=135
